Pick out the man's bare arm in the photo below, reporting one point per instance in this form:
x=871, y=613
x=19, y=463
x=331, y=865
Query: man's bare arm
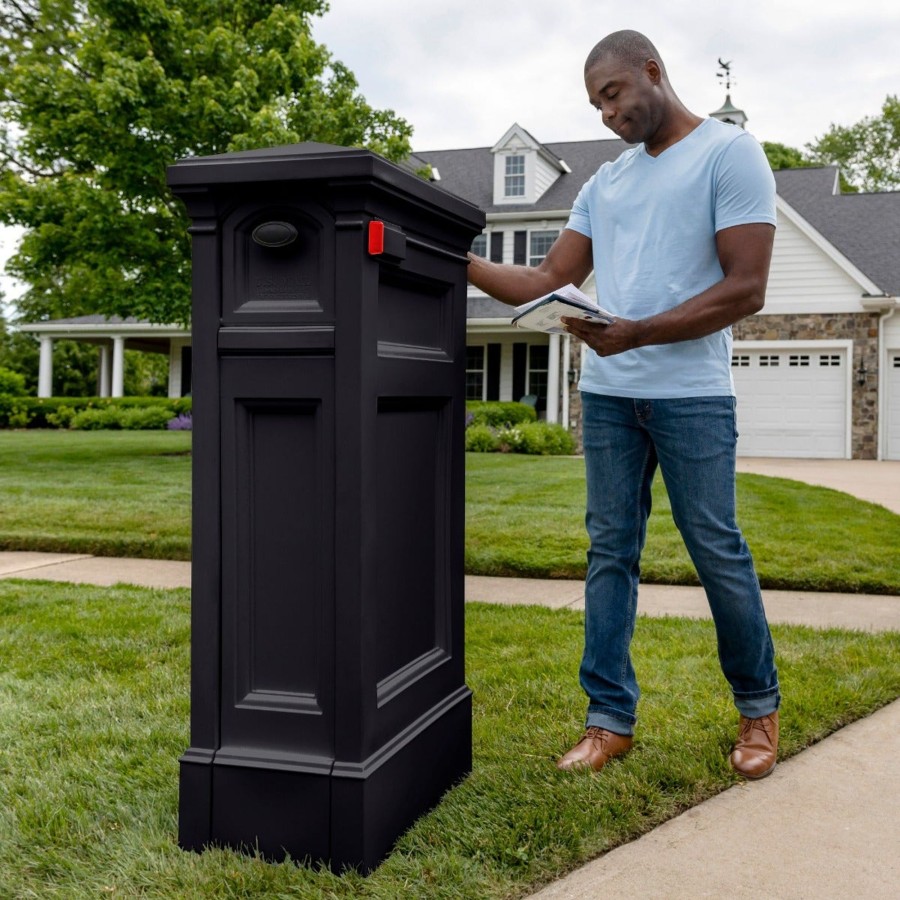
x=745, y=252
x=569, y=260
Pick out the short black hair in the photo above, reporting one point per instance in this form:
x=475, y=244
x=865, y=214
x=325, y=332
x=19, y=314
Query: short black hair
x=629, y=47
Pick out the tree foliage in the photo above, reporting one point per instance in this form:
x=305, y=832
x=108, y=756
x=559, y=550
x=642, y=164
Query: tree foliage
x=780, y=156
x=97, y=97
x=868, y=153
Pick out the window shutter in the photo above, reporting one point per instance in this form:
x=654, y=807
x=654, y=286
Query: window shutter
x=497, y=246
x=520, y=240
x=520, y=369
x=493, y=371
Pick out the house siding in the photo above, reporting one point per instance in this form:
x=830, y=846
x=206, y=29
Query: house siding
x=544, y=176
x=802, y=278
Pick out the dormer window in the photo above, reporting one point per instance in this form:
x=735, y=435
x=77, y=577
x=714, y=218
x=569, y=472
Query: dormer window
x=524, y=169
x=514, y=180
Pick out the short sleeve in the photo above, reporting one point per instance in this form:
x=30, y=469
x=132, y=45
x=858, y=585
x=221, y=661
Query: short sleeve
x=745, y=185
x=580, y=217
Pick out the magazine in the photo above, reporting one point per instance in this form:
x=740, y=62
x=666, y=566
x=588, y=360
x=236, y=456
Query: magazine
x=544, y=313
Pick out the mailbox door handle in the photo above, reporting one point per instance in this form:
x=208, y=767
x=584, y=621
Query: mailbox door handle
x=274, y=234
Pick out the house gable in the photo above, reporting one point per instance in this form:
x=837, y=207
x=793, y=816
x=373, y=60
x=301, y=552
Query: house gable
x=524, y=169
x=809, y=274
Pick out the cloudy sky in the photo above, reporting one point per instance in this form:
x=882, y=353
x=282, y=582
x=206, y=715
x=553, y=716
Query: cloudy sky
x=461, y=72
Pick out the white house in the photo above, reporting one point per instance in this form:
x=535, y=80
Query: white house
x=817, y=371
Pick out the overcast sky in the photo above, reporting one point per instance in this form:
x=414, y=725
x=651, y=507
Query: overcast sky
x=462, y=72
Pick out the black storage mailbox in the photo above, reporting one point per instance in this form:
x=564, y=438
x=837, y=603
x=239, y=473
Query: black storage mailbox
x=328, y=699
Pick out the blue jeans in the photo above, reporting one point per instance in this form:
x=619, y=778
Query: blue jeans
x=693, y=442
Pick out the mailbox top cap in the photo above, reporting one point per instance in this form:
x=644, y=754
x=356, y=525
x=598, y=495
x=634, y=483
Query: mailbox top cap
x=310, y=161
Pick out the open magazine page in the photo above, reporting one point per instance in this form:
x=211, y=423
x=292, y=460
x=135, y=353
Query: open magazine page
x=544, y=313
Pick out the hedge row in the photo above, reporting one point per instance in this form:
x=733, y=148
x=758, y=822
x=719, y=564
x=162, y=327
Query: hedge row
x=538, y=438
x=498, y=413
x=498, y=427
x=92, y=412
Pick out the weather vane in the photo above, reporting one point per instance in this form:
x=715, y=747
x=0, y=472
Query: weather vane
x=725, y=73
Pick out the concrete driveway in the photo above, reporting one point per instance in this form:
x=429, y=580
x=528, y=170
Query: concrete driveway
x=877, y=481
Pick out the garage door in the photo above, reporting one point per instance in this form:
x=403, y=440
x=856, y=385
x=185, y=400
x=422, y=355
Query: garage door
x=893, y=405
x=791, y=402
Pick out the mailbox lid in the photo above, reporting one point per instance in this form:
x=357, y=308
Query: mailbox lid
x=312, y=161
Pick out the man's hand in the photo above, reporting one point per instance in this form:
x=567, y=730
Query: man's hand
x=744, y=253
x=606, y=340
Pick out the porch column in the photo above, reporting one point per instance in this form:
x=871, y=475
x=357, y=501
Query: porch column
x=104, y=370
x=118, y=367
x=176, y=365
x=566, y=399
x=553, y=380
x=45, y=367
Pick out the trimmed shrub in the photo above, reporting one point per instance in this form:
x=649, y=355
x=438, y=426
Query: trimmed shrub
x=510, y=439
x=60, y=412
x=146, y=419
x=536, y=438
x=480, y=439
x=96, y=419
x=545, y=439
x=499, y=413
x=135, y=419
x=11, y=383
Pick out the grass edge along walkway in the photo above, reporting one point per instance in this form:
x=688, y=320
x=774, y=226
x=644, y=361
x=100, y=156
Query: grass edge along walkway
x=94, y=717
x=128, y=494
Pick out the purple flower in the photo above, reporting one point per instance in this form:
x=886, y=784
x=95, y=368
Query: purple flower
x=182, y=422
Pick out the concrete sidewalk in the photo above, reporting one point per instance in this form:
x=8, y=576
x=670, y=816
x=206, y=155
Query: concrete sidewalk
x=866, y=612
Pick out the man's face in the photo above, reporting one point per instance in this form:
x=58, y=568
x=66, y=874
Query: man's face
x=626, y=98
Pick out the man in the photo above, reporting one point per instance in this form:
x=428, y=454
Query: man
x=678, y=231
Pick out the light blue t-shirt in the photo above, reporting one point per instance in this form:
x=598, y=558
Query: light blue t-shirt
x=652, y=222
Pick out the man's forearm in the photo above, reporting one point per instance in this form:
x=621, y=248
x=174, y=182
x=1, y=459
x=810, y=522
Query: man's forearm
x=568, y=260
x=509, y=284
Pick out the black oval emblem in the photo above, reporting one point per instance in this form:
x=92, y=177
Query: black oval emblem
x=275, y=234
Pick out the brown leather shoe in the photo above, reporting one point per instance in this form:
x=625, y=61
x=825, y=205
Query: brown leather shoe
x=756, y=750
x=595, y=749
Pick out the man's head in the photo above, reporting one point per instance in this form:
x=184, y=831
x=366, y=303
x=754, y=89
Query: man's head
x=626, y=81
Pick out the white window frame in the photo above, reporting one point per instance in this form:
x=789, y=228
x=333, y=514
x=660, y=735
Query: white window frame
x=533, y=258
x=531, y=369
x=518, y=175
x=482, y=371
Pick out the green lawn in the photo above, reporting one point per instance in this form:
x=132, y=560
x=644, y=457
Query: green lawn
x=111, y=493
x=128, y=494
x=94, y=713
x=525, y=516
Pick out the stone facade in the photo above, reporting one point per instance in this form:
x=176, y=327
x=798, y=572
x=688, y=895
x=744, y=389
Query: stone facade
x=861, y=328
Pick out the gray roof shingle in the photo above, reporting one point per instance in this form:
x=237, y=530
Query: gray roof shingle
x=470, y=173
x=863, y=227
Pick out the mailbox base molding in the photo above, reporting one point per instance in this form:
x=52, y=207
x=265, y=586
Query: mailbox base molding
x=345, y=814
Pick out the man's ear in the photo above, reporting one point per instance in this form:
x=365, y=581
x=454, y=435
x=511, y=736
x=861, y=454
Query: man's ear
x=653, y=70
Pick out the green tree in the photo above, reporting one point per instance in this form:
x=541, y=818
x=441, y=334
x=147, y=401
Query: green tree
x=781, y=156
x=97, y=97
x=868, y=153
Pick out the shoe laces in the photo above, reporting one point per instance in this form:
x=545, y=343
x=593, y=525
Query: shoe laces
x=748, y=726
x=596, y=733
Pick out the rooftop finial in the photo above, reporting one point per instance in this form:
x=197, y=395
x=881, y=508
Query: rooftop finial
x=725, y=73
